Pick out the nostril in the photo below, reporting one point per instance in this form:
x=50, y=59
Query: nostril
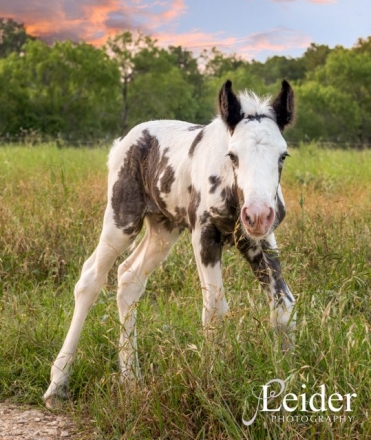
x=248, y=219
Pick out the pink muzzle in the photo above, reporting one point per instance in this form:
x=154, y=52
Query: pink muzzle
x=257, y=221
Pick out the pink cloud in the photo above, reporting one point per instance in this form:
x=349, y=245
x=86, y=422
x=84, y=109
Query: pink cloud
x=90, y=20
x=94, y=20
x=275, y=40
x=195, y=40
x=177, y=8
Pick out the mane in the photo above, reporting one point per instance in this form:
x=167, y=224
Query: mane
x=252, y=104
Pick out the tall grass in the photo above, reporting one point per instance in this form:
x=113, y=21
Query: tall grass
x=51, y=206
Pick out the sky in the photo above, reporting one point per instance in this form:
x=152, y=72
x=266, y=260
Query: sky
x=252, y=29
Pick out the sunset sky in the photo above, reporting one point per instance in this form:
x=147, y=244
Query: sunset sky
x=254, y=29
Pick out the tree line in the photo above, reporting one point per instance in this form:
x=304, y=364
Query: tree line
x=89, y=92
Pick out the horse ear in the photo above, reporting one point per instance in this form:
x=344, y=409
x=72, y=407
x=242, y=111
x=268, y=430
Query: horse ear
x=229, y=106
x=283, y=105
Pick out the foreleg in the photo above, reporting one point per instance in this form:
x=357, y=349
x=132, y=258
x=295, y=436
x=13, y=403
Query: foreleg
x=207, y=247
x=263, y=258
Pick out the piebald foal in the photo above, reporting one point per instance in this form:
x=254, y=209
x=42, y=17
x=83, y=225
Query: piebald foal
x=222, y=182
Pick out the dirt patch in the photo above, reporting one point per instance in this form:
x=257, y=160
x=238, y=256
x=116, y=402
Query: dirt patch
x=29, y=423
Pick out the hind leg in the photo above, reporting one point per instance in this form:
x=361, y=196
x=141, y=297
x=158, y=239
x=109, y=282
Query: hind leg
x=132, y=278
x=112, y=242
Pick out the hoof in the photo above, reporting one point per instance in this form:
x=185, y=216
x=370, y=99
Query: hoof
x=56, y=398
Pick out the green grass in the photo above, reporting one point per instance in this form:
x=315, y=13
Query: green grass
x=51, y=206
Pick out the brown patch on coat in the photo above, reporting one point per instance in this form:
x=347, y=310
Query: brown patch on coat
x=215, y=181
x=195, y=142
x=167, y=180
x=218, y=226
x=232, y=196
x=175, y=222
x=266, y=266
x=145, y=174
x=180, y=218
x=159, y=177
x=195, y=127
x=226, y=215
x=128, y=193
x=194, y=203
x=211, y=245
x=204, y=218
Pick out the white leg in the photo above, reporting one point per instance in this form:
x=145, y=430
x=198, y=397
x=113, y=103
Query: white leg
x=94, y=272
x=132, y=278
x=214, y=301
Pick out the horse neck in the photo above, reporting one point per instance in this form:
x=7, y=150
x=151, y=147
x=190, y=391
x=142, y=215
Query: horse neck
x=219, y=134
x=214, y=151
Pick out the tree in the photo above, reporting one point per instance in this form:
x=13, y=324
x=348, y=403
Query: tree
x=86, y=91
x=156, y=83
x=349, y=71
x=161, y=87
x=122, y=48
x=65, y=88
x=217, y=63
x=278, y=67
x=12, y=37
x=362, y=45
x=315, y=56
x=325, y=113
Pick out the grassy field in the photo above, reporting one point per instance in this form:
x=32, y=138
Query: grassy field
x=51, y=205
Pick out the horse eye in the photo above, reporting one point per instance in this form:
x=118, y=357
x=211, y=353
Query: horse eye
x=233, y=158
x=283, y=156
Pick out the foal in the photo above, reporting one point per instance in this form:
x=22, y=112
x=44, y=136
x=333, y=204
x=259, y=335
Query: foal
x=221, y=181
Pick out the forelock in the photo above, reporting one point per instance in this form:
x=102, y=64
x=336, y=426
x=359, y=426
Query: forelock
x=254, y=105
